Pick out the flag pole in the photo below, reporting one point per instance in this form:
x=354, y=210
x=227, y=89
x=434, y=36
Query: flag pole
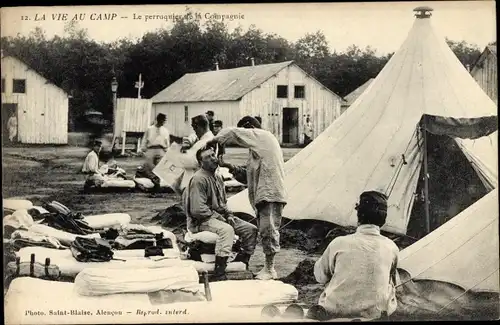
x=426, y=180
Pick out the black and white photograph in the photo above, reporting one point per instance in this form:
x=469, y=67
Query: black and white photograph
x=258, y=162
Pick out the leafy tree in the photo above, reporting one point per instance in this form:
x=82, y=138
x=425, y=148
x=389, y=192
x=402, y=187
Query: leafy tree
x=84, y=68
x=465, y=52
x=312, y=46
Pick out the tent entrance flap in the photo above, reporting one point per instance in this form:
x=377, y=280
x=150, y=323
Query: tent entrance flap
x=464, y=128
x=453, y=185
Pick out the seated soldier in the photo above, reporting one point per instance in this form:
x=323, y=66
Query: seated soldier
x=205, y=205
x=91, y=166
x=359, y=270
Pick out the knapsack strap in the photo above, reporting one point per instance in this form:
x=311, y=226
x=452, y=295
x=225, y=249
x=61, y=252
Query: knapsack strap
x=32, y=265
x=47, y=264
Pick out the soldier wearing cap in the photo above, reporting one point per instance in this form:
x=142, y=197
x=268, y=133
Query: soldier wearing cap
x=210, y=117
x=359, y=270
x=91, y=166
x=218, y=125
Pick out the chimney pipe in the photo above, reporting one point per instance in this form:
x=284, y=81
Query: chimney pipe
x=253, y=61
x=216, y=66
x=468, y=67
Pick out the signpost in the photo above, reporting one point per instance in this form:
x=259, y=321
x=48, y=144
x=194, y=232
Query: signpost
x=139, y=85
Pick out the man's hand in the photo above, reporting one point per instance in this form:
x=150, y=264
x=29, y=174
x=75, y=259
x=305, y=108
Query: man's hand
x=230, y=220
x=211, y=142
x=222, y=163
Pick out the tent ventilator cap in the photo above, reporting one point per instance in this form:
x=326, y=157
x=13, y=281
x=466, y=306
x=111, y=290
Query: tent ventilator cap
x=423, y=12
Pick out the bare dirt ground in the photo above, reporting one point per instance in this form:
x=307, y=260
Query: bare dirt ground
x=52, y=173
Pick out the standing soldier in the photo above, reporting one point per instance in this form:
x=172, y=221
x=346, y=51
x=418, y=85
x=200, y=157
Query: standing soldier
x=265, y=176
x=308, y=131
x=156, y=141
x=12, y=126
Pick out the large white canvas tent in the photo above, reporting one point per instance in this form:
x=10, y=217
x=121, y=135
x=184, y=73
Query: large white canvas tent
x=463, y=251
x=453, y=272
x=378, y=145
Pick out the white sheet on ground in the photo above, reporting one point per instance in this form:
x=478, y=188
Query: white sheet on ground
x=16, y=204
x=38, y=295
x=97, y=282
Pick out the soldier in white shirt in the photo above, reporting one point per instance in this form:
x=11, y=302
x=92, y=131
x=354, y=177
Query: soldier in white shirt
x=359, y=270
x=12, y=126
x=308, y=131
x=156, y=141
x=91, y=167
x=91, y=163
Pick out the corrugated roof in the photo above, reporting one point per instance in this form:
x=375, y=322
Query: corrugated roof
x=228, y=84
x=349, y=99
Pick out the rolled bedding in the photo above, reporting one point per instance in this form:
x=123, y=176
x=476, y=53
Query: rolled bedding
x=98, y=282
x=107, y=220
x=17, y=204
x=148, y=183
x=118, y=183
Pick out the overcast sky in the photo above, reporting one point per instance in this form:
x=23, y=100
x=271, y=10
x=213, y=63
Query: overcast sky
x=383, y=26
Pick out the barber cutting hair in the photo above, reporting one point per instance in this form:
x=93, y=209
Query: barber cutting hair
x=264, y=174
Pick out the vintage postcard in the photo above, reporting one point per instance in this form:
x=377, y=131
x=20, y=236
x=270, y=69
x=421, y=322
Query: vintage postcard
x=250, y=162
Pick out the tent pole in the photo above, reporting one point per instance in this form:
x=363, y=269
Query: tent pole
x=426, y=182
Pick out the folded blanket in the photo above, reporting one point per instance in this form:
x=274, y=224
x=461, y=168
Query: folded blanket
x=67, y=222
x=17, y=244
x=23, y=238
x=91, y=250
x=138, y=243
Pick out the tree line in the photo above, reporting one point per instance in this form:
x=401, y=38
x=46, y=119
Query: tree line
x=84, y=68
